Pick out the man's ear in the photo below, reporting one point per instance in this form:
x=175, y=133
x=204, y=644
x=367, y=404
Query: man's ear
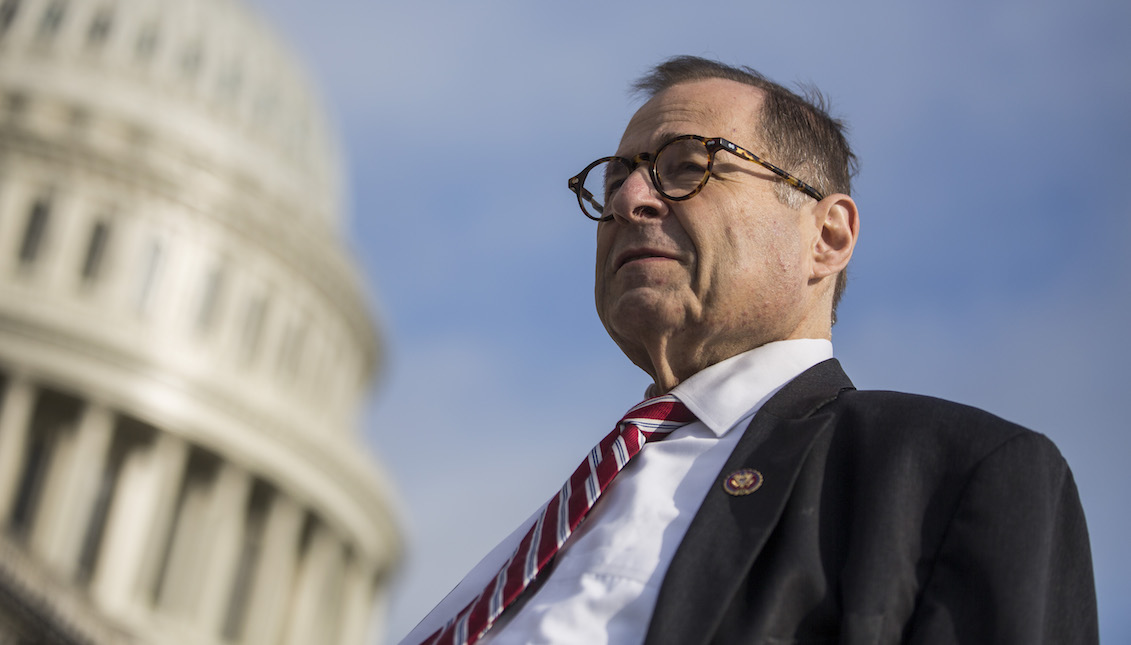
x=838, y=225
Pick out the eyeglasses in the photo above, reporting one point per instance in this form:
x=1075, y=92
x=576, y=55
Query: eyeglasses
x=679, y=170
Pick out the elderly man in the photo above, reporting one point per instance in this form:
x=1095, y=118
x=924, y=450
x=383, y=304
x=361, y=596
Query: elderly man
x=760, y=497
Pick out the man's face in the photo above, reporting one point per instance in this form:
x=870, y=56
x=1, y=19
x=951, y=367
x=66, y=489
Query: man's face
x=712, y=276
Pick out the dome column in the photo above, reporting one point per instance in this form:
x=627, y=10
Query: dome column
x=274, y=578
x=357, y=602
x=227, y=519
x=72, y=486
x=15, y=419
x=138, y=524
x=318, y=591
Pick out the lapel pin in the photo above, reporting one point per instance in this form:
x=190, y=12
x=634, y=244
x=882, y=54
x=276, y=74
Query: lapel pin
x=743, y=482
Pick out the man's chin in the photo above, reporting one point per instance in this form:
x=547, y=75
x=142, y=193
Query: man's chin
x=641, y=316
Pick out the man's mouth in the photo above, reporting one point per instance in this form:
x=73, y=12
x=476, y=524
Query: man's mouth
x=634, y=255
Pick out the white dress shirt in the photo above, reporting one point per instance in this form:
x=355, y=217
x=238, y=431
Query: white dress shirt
x=605, y=579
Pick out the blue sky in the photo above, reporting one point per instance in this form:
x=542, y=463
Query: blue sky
x=992, y=267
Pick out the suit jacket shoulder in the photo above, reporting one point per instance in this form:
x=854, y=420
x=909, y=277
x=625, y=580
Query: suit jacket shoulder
x=883, y=517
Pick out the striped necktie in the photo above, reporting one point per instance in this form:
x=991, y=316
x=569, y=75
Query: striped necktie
x=651, y=420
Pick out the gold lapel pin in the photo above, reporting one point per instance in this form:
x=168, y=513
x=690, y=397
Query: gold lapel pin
x=743, y=482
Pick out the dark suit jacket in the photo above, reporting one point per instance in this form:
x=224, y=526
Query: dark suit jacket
x=883, y=518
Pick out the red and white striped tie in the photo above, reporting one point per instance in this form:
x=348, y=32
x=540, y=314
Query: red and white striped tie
x=651, y=420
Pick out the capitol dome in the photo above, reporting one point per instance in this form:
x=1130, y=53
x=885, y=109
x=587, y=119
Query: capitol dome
x=185, y=343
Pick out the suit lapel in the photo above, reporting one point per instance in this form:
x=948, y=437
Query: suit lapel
x=729, y=531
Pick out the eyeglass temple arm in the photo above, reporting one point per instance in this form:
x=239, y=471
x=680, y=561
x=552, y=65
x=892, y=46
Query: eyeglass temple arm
x=575, y=186
x=790, y=179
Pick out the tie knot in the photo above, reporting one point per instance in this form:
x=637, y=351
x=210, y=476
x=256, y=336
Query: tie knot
x=659, y=415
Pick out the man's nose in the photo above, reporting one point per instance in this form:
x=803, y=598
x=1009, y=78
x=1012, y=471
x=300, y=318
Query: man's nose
x=637, y=198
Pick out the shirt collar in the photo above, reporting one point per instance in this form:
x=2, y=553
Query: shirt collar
x=729, y=391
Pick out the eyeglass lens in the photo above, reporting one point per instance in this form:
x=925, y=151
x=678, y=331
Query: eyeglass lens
x=681, y=167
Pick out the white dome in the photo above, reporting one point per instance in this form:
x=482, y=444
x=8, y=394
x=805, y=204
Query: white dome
x=184, y=341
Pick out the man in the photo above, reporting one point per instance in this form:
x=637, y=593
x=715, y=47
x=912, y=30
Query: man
x=791, y=508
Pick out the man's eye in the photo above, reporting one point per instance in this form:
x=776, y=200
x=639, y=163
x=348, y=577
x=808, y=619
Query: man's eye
x=685, y=169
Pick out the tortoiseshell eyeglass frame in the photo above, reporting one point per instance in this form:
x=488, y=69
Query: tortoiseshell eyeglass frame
x=713, y=145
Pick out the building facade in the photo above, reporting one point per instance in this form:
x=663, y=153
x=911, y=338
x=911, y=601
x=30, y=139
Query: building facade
x=184, y=341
